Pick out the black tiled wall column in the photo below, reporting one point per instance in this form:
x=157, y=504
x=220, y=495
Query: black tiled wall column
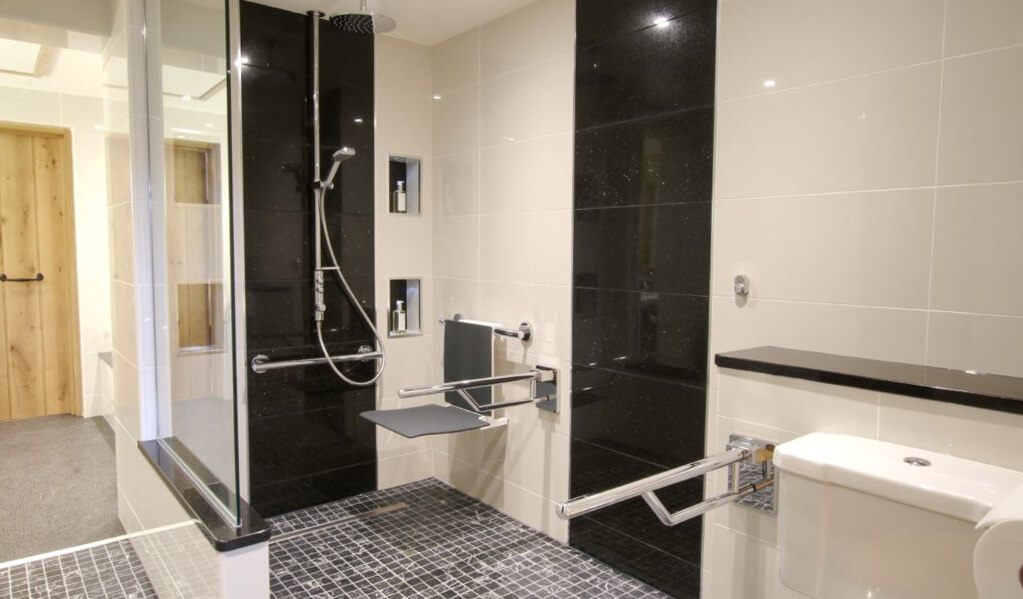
x=307, y=444
x=643, y=166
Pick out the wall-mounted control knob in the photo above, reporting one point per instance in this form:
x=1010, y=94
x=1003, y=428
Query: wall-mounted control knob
x=741, y=285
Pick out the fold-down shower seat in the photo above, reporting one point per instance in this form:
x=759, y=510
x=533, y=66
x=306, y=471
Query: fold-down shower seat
x=468, y=387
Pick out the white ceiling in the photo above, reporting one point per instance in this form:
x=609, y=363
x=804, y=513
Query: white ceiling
x=425, y=22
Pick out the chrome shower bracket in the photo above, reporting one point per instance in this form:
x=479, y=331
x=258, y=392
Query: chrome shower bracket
x=746, y=473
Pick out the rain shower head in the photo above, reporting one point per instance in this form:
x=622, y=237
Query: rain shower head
x=342, y=154
x=362, y=21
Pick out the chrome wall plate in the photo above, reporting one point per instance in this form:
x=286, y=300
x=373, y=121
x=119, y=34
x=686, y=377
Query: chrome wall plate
x=749, y=473
x=545, y=390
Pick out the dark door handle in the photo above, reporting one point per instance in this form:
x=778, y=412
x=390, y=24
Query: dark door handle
x=5, y=279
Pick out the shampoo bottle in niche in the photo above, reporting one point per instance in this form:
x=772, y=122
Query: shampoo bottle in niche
x=398, y=325
x=400, y=202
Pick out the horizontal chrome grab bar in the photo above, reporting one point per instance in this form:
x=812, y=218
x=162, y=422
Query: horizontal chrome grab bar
x=262, y=363
x=590, y=503
x=523, y=333
x=533, y=375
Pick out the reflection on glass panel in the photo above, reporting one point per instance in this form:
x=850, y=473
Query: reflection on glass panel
x=194, y=217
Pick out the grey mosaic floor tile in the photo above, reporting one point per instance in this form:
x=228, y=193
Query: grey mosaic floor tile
x=443, y=545
x=109, y=571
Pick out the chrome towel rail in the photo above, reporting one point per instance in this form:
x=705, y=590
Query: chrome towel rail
x=523, y=333
x=262, y=363
x=745, y=451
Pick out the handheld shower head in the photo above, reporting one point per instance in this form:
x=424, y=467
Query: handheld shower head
x=342, y=154
x=363, y=21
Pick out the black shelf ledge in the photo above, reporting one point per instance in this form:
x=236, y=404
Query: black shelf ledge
x=221, y=535
x=967, y=388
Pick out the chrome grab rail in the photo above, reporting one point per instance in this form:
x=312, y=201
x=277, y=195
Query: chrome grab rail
x=736, y=456
x=523, y=333
x=538, y=374
x=262, y=363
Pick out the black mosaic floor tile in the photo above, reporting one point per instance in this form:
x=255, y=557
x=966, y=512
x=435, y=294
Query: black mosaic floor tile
x=444, y=544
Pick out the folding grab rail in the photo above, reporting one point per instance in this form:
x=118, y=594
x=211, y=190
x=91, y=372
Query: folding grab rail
x=743, y=455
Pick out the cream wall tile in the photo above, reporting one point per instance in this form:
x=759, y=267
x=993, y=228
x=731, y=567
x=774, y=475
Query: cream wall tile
x=122, y=254
x=406, y=251
x=126, y=395
x=547, y=186
x=456, y=62
x=548, y=308
x=744, y=568
x=406, y=354
x=966, y=432
x=456, y=121
x=404, y=123
x=829, y=40
x=981, y=129
x=532, y=102
x=834, y=248
x=404, y=469
x=978, y=249
x=453, y=296
x=456, y=247
x=865, y=133
x=796, y=405
x=976, y=25
x=456, y=180
x=528, y=453
x=747, y=521
x=878, y=333
x=402, y=66
x=549, y=27
x=122, y=297
x=542, y=251
x=526, y=507
x=976, y=342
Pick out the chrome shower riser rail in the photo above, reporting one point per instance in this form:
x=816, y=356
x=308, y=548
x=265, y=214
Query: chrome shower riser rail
x=262, y=363
x=741, y=452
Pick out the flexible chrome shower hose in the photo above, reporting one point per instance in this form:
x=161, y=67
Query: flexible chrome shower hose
x=321, y=210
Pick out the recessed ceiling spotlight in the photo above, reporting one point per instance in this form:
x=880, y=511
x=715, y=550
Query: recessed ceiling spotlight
x=437, y=96
x=770, y=83
x=358, y=120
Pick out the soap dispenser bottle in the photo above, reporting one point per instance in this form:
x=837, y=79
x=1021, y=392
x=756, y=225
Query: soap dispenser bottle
x=398, y=319
x=400, y=201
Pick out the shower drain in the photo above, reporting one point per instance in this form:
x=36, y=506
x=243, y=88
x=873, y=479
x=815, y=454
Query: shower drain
x=370, y=514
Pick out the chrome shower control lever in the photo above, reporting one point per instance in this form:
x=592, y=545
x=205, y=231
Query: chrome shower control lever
x=741, y=285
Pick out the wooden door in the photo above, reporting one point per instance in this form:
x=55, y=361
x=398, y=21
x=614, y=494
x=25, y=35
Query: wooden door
x=38, y=301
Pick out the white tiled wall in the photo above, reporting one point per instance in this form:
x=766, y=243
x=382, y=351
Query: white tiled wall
x=868, y=180
x=502, y=142
x=497, y=189
x=403, y=244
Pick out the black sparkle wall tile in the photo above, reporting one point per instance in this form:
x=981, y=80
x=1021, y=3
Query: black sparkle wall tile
x=655, y=70
x=663, y=160
x=643, y=174
x=661, y=248
x=306, y=442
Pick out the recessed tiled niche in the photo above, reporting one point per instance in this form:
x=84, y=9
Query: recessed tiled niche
x=403, y=187
x=404, y=320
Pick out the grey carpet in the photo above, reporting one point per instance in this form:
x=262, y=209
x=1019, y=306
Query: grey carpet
x=58, y=485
